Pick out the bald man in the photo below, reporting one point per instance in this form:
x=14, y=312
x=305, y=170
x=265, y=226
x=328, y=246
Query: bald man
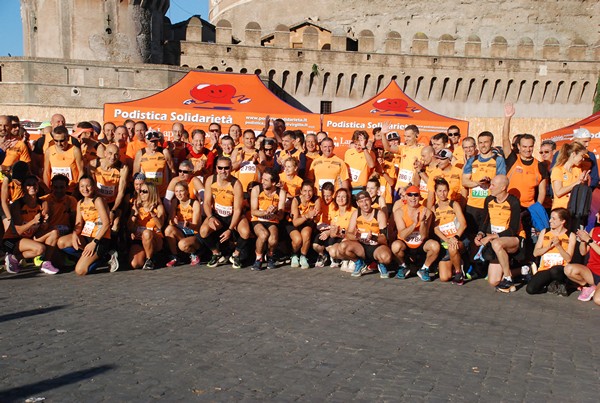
x=501, y=229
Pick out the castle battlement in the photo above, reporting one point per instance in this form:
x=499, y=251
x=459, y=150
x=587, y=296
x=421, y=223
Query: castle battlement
x=308, y=35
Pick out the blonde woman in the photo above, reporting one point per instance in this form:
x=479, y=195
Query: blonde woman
x=567, y=174
x=145, y=227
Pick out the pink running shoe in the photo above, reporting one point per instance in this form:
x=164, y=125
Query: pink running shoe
x=12, y=264
x=48, y=268
x=194, y=259
x=587, y=293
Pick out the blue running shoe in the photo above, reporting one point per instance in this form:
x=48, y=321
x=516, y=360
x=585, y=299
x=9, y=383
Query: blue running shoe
x=359, y=265
x=424, y=275
x=402, y=273
x=383, y=273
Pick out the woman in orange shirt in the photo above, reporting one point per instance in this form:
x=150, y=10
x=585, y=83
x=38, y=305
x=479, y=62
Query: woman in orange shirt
x=91, y=238
x=566, y=173
x=555, y=246
x=184, y=222
x=145, y=227
x=339, y=224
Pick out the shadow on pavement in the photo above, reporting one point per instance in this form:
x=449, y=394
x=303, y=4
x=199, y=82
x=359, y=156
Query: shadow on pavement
x=32, y=389
x=31, y=312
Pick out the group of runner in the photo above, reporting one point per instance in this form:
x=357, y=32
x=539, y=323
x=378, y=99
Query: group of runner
x=453, y=208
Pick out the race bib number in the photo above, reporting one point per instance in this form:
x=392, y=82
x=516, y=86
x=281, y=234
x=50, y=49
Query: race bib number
x=414, y=239
x=423, y=186
x=156, y=177
x=66, y=171
x=355, y=174
x=405, y=175
x=448, y=229
x=552, y=259
x=107, y=191
x=247, y=167
x=223, y=211
x=479, y=193
x=324, y=181
x=496, y=229
x=88, y=228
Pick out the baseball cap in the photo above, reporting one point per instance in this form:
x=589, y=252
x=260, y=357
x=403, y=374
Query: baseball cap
x=444, y=154
x=393, y=136
x=43, y=125
x=582, y=133
x=413, y=189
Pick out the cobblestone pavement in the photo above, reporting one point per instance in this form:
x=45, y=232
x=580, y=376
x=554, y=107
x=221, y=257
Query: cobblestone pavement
x=194, y=333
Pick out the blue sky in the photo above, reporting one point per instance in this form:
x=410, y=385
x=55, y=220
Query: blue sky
x=11, y=40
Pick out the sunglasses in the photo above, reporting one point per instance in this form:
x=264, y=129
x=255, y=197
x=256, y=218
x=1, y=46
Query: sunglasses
x=152, y=135
x=183, y=171
x=144, y=191
x=544, y=152
x=268, y=149
x=60, y=141
x=454, y=134
x=412, y=194
x=221, y=168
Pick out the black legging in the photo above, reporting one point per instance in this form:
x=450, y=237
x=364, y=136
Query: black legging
x=540, y=281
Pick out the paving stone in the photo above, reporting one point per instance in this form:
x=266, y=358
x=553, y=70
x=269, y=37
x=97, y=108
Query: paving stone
x=221, y=334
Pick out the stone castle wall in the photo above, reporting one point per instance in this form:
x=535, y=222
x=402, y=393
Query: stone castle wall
x=456, y=78
x=564, y=20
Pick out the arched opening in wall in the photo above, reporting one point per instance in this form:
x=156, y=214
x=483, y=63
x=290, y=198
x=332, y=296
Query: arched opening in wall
x=284, y=79
x=365, y=84
x=584, y=91
x=534, y=87
x=471, y=85
x=394, y=78
x=258, y=72
x=185, y=65
x=508, y=88
x=200, y=67
x=431, y=85
x=521, y=86
x=571, y=91
x=496, y=86
x=419, y=80
x=546, y=86
x=244, y=70
x=483, y=85
x=311, y=81
x=327, y=46
x=272, y=83
x=298, y=80
x=352, y=83
x=214, y=68
x=444, y=86
x=560, y=87
x=405, y=85
x=325, y=81
x=338, y=84
x=229, y=69
x=379, y=82
x=457, y=87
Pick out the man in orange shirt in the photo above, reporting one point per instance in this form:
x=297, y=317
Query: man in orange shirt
x=15, y=149
x=139, y=139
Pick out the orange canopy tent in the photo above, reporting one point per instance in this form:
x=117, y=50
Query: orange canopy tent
x=565, y=134
x=202, y=98
x=390, y=105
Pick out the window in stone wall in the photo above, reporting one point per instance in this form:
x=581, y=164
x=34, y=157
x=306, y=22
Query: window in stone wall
x=325, y=107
